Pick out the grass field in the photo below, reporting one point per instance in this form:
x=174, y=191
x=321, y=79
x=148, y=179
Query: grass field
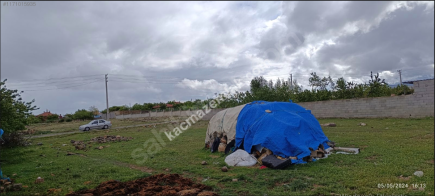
x=46, y=128
x=390, y=148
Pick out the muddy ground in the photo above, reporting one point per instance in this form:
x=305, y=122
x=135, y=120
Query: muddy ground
x=160, y=184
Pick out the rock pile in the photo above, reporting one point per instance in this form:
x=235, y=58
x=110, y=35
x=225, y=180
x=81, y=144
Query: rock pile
x=6, y=185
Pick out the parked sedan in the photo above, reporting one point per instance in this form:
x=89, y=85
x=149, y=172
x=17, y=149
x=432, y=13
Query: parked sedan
x=96, y=124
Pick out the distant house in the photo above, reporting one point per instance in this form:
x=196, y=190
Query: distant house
x=167, y=106
x=44, y=115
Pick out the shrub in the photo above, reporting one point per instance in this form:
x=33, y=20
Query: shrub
x=51, y=121
x=52, y=117
x=62, y=120
x=33, y=119
x=68, y=120
x=83, y=115
x=15, y=139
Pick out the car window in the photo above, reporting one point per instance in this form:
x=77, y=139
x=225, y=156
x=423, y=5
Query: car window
x=94, y=122
x=101, y=121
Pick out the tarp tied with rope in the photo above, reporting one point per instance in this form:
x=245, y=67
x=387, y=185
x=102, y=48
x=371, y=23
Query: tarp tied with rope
x=285, y=128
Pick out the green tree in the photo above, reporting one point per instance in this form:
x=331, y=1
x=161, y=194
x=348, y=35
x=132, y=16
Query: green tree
x=83, y=115
x=14, y=112
x=31, y=119
x=378, y=87
x=52, y=117
x=123, y=108
x=148, y=106
x=137, y=106
x=162, y=106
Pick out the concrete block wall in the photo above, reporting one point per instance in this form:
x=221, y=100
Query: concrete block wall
x=186, y=114
x=420, y=104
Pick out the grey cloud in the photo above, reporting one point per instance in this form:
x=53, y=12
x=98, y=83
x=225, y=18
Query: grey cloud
x=166, y=42
x=400, y=41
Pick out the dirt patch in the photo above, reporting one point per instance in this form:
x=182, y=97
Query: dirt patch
x=214, y=156
x=430, y=161
x=83, y=145
x=161, y=184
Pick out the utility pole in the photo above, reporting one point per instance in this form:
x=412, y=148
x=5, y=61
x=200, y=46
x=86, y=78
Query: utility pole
x=400, y=74
x=291, y=81
x=107, y=99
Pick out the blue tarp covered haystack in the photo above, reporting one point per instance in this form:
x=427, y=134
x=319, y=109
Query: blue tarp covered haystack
x=285, y=128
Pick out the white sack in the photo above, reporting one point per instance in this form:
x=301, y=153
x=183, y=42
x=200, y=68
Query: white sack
x=240, y=158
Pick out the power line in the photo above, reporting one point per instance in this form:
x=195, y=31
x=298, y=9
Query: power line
x=62, y=87
x=32, y=80
x=53, y=82
x=146, y=79
x=145, y=82
x=139, y=76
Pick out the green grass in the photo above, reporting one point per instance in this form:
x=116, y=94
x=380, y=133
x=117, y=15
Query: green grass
x=46, y=128
x=389, y=148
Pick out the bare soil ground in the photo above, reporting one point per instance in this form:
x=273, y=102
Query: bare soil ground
x=161, y=184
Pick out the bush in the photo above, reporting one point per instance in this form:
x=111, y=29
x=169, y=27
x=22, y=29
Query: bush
x=33, y=119
x=83, y=115
x=51, y=121
x=62, y=120
x=68, y=120
x=53, y=117
x=15, y=139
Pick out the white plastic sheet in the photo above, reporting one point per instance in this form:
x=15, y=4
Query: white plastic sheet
x=240, y=158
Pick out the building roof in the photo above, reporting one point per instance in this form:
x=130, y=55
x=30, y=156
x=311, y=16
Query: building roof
x=412, y=82
x=45, y=114
x=167, y=105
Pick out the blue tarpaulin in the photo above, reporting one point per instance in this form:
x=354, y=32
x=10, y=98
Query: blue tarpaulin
x=287, y=129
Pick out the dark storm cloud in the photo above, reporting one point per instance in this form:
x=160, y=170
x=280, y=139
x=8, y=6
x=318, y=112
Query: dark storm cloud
x=400, y=41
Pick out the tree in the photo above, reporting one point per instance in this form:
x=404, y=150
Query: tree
x=137, y=106
x=123, y=108
x=52, y=117
x=111, y=109
x=162, y=106
x=83, y=115
x=314, y=80
x=378, y=87
x=94, y=110
x=69, y=116
x=33, y=120
x=148, y=106
x=321, y=83
x=14, y=112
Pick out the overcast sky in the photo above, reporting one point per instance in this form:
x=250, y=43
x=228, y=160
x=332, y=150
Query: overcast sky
x=161, y=51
